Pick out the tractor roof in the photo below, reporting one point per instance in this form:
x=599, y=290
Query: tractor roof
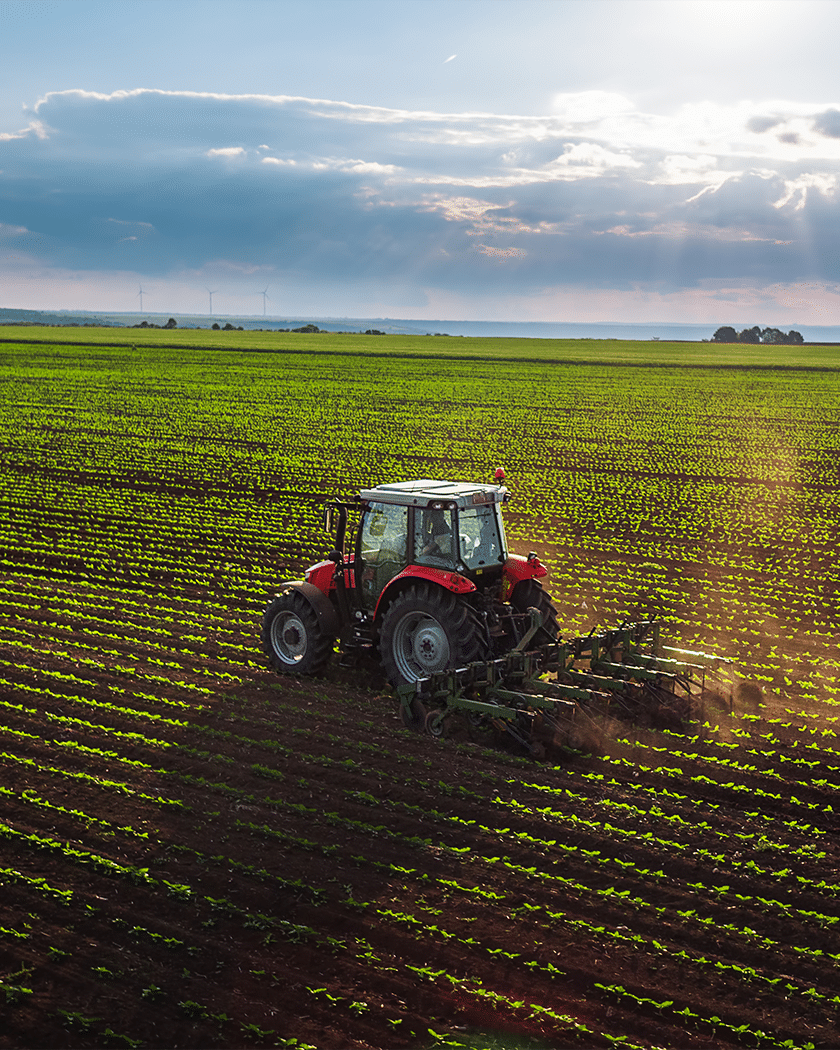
x=423, y=492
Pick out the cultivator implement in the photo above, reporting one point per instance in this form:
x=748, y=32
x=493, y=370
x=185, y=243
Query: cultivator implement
x=552, y=693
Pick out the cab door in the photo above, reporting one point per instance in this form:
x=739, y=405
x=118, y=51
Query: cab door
x=382, y=552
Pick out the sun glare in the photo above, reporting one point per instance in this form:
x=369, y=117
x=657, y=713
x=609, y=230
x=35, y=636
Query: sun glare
x=724, y=23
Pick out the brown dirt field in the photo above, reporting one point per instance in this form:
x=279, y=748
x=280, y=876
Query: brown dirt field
x=197, y=853
x=282, y=863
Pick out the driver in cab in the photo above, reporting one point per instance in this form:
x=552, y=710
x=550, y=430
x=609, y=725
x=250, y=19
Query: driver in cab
x=438, y=535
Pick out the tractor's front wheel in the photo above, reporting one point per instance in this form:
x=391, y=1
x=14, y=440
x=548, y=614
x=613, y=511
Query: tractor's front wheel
x=292, y=638
x=428, y=629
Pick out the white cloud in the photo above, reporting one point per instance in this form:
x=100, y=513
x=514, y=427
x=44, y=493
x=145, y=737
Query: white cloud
x=679, y=169
x=596, y=194
x=798, y=189
x=358, y=167
x=368, y=167
x=702, y=170
x=772, y=128
x=586, y=160
x=35, y=128
x=226, y=151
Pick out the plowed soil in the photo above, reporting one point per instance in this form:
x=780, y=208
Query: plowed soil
x=281, y=862
x=195, y=852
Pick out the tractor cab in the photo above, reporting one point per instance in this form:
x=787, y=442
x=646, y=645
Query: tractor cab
x=439, y=525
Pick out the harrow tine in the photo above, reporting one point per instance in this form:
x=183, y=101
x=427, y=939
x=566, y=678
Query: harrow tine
x=556, y=684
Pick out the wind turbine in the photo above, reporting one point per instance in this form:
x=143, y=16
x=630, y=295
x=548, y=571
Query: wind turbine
x=211, y=294
x=265, y=296
x=141, y=293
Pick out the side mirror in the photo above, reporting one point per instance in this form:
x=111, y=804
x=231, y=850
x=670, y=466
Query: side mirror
x=330, y=519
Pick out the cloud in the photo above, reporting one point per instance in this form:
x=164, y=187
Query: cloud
x=758, y=125
x=586, y=160
x=701, y=170
x=828, y=123
x=460, y=209
x=319, y=193
x=500, y=253
x=34, y=129
x=797, y=189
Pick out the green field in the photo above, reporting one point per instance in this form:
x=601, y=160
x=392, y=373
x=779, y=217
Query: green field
x=330, y=879
x=708, y=492
x=582, y=351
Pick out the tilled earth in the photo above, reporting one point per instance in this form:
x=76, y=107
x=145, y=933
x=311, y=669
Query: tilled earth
x=198, y=853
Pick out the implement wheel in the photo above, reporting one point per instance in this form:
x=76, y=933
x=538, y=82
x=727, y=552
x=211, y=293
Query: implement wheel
x=528, y=594
x=427, y=629
x=292, y=638
x=434, y=727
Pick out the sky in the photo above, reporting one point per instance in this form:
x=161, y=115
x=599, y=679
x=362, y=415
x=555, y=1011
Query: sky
x=508, y=160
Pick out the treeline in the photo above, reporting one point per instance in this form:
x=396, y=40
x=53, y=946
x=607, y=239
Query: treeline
x=769, y=336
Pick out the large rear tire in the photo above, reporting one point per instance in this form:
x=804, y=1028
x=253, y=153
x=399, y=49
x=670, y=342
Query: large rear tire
x=528, y=594
x=427, y=629
x=292, y=638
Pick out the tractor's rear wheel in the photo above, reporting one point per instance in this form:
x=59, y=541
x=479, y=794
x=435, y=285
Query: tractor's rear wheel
x=427, y=629
x=528, y=594
x=292, y=637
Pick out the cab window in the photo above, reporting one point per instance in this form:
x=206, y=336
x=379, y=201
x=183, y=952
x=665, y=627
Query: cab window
x=478, y=534
x=382, y=548
x=433, y=537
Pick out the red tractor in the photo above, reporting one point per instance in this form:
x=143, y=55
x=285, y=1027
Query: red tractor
x=430, y=582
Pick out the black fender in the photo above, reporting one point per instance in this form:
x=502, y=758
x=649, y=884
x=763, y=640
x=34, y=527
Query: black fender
x=321, y=605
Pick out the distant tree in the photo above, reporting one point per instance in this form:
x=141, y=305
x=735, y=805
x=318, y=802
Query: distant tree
x=773, y=337
x=767, y=336
x=171, y=323
x=215, y=326
x=229, y=328
x=750, y=335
